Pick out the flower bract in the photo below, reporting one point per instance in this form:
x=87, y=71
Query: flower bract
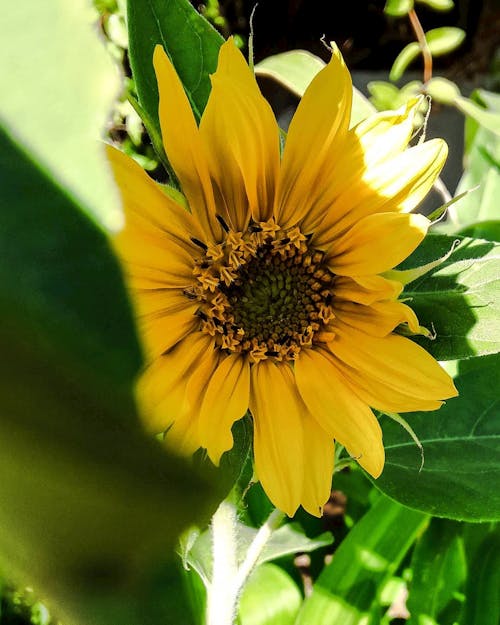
x=262, y=290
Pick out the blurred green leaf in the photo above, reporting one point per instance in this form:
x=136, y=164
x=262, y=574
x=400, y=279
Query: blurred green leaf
x=444, y=40
x=62, y=95
x=87, y=501
x=294, y=70
x=407, y=55
x=458, y=299
x=488, y=119
x=270, y=596
x=439, y=571
x=189, y=40
x=461, y=444
x=482, y=160
x=482, y=604
x=442, y=90
x=398, y=8
x=350, y=585
x=438, y=5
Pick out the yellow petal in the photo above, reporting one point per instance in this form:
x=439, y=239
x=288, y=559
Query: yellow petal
x=377, y=243
x=315, y=138
x=395, y=361
x=319, y=452
x=241, y=138
x=225, y=401
x=183, y=437
x=161, y=332
x=372, y=141
x=161, y=388
x=278, y=434
x=396, y=184
x=144, y=203
x=339, y=411
x=379, y=319
x=380, y=395
x=366, y=289
x=183, y=144
x=386, y=134
x=157, y=252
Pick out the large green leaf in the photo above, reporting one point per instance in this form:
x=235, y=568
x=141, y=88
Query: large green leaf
x=439, y=571
x=87, y=501
x=458, y=299
x=461, y=443
x=59, y=84
x=188, y=39
x=350, y=585
x=270, y=596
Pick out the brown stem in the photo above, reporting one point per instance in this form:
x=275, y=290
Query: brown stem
x=420, y=35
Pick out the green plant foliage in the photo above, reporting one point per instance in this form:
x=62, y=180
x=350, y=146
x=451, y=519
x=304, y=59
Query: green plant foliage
x=407, y=55
x=461, y=444
x=349, y=586
x=482, y=605
x=440, y=41
x=458, y=299
x=442, y=90
x=489, y=230
x=482, y=160
x=438, y=5
x=287, y=540
x=189, y=40
x=439, y=572
x=398, y=8
x=444, y=40
x=270, y=596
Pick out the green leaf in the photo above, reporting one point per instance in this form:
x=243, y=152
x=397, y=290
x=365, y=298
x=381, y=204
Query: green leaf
x=350, y=585
x=461, y=444
x=269, y=596
x=294, y=70
x=482, y=604
x=444, y=40
x=458, y=299
x=286, y=540
x=488, y=119
x=398, y=8
x=87, y=500
x=482, y=159
x=439, y=571
x=489, y=230
x=407, y=55
x=59, y=113
x=442, y=90
x=438, y=5
x=189, y=40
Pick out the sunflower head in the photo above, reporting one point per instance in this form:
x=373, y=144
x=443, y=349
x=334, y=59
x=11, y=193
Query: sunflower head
x=268, y=293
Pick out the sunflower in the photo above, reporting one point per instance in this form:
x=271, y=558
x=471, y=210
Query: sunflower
x=261, y=288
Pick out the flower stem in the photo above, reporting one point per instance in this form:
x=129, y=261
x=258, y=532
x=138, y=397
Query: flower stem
x=227, y=579
x=221, y=599
x=424, y=46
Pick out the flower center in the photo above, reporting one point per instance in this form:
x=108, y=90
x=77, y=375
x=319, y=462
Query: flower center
x=263, y=292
